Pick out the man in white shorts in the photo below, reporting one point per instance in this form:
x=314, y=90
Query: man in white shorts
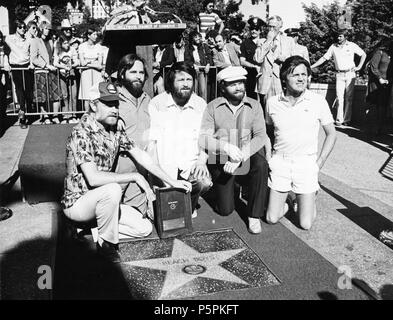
x=296, y=116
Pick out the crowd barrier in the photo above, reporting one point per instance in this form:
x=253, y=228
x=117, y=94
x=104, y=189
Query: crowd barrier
x=48, y=87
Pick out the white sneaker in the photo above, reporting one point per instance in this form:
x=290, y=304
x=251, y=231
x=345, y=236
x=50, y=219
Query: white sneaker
x=254, y=225
x=194, y=214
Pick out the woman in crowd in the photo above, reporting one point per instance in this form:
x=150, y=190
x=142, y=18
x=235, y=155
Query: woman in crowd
x=90, y=57
x=380, y=84
x=4, y=68
x=66, y=60
x=46, y=89
x=19, y=59
x=199, y=54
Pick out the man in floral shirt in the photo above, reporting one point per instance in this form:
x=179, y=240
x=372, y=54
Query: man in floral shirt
x=91, y=188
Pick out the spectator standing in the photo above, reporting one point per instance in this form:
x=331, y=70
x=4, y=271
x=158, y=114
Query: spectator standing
x=380, y=83
x=158, y=81
x=4, y=81
x=225, y=54
x=271, y=53
x=198, y=54
x=299, y=49
x=208, y=20
x=19, y=58
x=233, y=132
x=46, y=79
x=343, y=53
x=296, y=116
x=90, y=57
x=247, y=49
x=66, y=60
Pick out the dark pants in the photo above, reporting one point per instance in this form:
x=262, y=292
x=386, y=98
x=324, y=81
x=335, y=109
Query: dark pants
x=251, y=83
x=255, y=179
x=199, y=187
x=24, y=86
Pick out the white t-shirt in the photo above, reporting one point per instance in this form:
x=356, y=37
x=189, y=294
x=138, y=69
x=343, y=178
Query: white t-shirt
x=344, y=56
x=296, y=128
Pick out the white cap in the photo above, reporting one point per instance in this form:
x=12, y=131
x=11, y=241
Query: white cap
x=232, y=74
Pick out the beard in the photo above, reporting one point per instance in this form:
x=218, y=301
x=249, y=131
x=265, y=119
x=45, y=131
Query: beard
x=183, y=94
x=134, y=87
x=236, y=96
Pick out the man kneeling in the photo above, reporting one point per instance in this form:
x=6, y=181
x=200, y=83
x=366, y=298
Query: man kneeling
x=91, y=189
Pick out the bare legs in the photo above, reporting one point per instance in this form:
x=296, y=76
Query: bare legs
x=306, y=208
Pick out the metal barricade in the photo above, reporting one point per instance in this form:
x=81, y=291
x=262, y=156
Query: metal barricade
x=37, y=105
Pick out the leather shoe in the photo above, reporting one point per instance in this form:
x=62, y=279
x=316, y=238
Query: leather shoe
x=254, y=225
x=109, y=252
x=5, y=213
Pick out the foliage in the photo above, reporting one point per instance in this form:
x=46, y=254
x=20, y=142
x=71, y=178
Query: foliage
x=371, y=24
x=317, y=34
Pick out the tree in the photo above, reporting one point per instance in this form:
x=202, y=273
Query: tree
x=317, y=34
x=371, y=24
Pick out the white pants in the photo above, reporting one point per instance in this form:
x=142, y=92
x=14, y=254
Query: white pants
x=345, y=84
x=114, y=220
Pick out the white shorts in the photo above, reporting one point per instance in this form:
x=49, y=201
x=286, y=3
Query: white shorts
x=296, y=173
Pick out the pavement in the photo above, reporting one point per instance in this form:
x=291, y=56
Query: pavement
x=354, y=204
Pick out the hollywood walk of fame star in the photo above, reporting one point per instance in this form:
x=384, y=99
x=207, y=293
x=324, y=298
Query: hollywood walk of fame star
x=186, y=264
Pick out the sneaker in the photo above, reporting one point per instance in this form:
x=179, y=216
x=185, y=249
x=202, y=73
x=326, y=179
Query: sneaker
x=73, y=120
x=55, y=120
x=108, y=251
x=386, y=237
x=254, y=225
x=194, y=214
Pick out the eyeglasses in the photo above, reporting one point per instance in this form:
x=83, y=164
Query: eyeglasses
x=22, y=27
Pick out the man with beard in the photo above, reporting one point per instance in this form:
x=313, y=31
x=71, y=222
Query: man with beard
x=134, y=118
x=233, y=132
x=296, y=116
x=176, y=116
x=91, y=189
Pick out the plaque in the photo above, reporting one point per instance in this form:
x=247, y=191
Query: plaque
x=173, y=212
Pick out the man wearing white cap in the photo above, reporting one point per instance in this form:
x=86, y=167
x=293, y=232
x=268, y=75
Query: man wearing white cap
x=91, y=188
x=233, y=132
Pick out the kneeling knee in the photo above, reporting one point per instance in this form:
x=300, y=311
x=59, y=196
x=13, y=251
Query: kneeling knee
x=271, y=220
x=225, y=211
x=306, y=225
x=114, y=191
x=146, y=228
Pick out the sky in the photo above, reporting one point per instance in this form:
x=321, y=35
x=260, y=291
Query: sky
x=291, y=11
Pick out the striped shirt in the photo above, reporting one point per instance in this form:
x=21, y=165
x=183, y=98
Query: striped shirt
x=208, y=21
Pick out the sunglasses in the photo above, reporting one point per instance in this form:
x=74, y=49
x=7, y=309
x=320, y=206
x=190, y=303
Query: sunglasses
x=22, y=27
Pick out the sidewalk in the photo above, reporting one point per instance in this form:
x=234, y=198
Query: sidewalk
x=354, y=203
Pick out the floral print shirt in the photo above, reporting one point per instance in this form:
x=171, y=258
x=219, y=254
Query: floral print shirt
x=90, y=142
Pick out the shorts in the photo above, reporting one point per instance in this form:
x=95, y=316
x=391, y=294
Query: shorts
x=296, y=173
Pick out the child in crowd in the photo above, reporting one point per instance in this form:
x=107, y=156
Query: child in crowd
x=66, y=60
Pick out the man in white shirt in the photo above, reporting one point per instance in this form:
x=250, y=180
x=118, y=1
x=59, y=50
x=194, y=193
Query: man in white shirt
x=176, y=116
x=296, y=116
x=343, y=53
